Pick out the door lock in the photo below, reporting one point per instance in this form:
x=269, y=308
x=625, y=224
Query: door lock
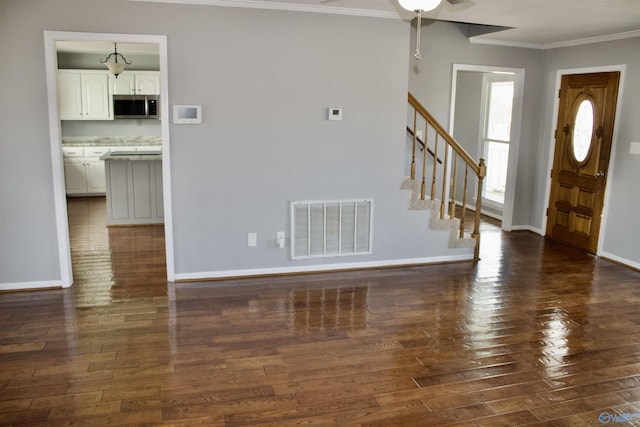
x=601, y=174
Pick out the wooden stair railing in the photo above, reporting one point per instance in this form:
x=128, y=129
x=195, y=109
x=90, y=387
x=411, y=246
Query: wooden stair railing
x=459, y=157
x=422, y=144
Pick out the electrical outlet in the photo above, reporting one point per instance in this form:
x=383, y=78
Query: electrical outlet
x=635, y=148
x=252, y=239
x=280, y=239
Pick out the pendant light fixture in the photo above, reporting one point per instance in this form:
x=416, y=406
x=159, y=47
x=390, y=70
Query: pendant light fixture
x=115, y=67
x=419, y=7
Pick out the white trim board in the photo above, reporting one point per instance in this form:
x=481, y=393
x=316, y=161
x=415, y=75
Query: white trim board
x=620, y=260
x=293, y=7
x=547, y=46
x=51, y=66
x=17, y=286
x=527, y=228
x=208, y=275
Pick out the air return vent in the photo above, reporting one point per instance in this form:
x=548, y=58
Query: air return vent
x=330, y=228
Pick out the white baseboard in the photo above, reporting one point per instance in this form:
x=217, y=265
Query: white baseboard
x=29, y=285
x=318, y=268
x=620, y=260
x=527, y=228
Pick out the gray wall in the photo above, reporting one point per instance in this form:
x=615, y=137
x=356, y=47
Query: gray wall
x=445, y=44
x=264, y=79
x=28, y=243
x=621, y=229
x=466, y=129
x=430, y=80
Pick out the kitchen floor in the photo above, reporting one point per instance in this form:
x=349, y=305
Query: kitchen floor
x=113, y=263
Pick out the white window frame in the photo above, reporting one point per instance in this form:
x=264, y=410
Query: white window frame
x=483, y=149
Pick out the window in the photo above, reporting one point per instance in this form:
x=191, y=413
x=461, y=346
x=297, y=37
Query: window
x=498, y=100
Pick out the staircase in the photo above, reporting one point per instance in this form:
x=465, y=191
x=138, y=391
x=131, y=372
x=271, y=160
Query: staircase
x=446, y=178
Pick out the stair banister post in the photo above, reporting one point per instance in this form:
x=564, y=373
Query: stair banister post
x=445, y=176
x=482, y=172
x=452, y=195
x=413, y=149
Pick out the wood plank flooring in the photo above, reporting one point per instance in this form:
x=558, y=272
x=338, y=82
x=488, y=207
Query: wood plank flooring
x=534, y=334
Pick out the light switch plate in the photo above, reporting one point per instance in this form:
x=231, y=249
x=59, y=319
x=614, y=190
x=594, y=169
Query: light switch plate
x=334, y=113
x=252, y=239
x=635, y=148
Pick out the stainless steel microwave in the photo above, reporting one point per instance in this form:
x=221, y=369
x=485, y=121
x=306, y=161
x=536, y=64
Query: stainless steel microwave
x=136, y=106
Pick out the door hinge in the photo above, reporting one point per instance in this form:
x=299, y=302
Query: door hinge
x=559, y=92
x=547, y=212
x=551, y=174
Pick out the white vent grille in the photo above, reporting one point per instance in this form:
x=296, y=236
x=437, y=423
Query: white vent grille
x=330, y=228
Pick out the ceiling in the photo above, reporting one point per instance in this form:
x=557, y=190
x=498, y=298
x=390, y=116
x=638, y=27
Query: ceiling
x=525, y=23
x=531, y=23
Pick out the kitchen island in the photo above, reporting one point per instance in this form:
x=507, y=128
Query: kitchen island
x=134, y=187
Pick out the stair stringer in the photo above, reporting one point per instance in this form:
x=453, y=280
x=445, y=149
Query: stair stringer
x=435, y=223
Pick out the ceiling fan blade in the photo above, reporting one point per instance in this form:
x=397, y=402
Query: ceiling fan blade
x=454, y=2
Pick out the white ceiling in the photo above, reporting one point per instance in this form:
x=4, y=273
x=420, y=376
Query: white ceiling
x=532, y=23
x=535, y=23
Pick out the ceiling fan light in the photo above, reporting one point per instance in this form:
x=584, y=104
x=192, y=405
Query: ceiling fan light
x=415, y=5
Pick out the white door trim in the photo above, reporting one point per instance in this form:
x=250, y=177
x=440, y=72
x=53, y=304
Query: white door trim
x=516, y=127
x=614, y=142
x=51, y=64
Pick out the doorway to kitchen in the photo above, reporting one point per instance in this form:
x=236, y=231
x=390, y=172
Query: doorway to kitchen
x=486, y=116
x=62, y=213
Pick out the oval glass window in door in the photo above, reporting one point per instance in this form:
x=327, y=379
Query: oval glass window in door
x=583, y=131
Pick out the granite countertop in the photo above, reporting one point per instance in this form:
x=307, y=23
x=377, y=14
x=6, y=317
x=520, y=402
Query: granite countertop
x=112, y=141
x=132, y=155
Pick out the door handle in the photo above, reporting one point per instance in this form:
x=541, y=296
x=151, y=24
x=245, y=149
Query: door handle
x=601, y=174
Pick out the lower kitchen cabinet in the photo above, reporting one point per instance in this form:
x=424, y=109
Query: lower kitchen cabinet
x=84, y=171
x=134, y=191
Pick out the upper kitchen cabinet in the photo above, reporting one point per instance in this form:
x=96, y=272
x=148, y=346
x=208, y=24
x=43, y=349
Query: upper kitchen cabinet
x=84, y=95
x=136, y=83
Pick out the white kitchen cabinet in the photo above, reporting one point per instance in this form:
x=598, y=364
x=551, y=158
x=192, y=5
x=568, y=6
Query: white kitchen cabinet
x=69, y=95
x=75, y=176
x=124, y=84
x=136, y=83
x=84, y=95
x=83, y=170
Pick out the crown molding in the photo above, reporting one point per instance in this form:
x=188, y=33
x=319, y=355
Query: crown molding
x=271, y=5
x=568, y=43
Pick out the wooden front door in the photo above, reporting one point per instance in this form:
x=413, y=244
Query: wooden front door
x=583, y=135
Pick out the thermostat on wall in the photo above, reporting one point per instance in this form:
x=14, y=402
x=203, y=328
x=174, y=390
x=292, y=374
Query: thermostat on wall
x=187, y=114
x=334, y=113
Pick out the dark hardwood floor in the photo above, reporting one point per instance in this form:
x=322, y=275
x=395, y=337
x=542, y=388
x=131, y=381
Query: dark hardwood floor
x=534, y=334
